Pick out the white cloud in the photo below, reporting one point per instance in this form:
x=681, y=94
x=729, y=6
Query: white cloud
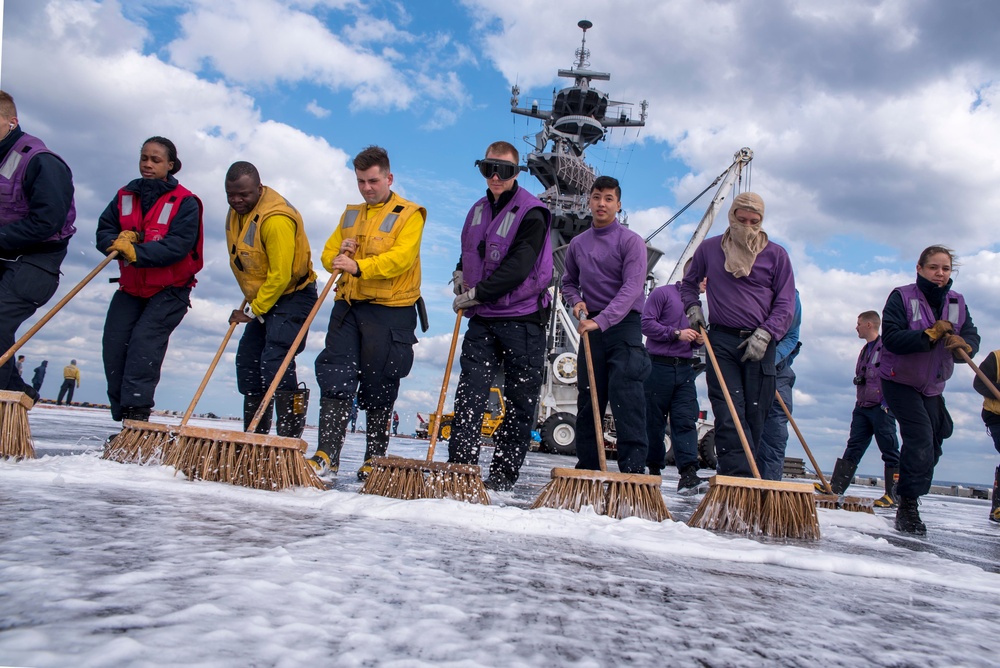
x=316, y=110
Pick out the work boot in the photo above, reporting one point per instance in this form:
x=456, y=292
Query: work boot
x=30, y=391
x=291, y=409
x=995, y=510
x=251, y=402
x=888, y=499
x=333, y=416
x=843, y=476
x=689, y=483
x=376, y=437
x=908, y=517
x=139, y=414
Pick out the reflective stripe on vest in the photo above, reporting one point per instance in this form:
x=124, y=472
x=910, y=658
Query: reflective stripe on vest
x=477, y=216
x=350, y=217
x=127, y=204
x=953, y=310
x=508, y=220
x=388, y=222
x=165, y=213
x=914, y=310
x=10, y=164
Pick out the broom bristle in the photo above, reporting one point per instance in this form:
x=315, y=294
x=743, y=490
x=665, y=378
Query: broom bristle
x=139, y=443
x=407, y=479
x=15, y=432
x=758, y=507
x=830, y=501
x=858, y=504
x=617, y=495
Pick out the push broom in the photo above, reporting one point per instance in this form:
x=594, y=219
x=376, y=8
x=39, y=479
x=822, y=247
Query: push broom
x=399, y=478
x=142, y=442
x=617, y=495
x=856, y=504
x=15, y=433
x=752, y=506
x=246, y=459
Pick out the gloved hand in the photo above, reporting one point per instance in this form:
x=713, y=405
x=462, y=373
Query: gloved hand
x=131, y=235
x=458, y=282
x=465, y=300
x=954, y=342
x=756, y=345
x=126, y=250
x=939, y=329
x=696, y=317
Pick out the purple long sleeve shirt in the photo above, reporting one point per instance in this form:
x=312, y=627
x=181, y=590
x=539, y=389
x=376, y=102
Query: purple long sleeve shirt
x=662, y=316
x=606, y=269
x=765, y=298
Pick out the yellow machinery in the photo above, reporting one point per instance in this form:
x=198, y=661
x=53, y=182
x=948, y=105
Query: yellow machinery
x=492, y=418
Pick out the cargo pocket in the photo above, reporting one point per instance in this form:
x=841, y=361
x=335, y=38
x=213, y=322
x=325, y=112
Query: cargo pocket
x=638, y=366
x=399, y=361
x=34, y=284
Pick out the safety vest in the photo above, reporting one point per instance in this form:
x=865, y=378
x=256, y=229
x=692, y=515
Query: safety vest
x=14, y=204
x=71, y=372
x=147, y=281
x=869, y=360
x=990, y=403
x=376, y=235
x=247, y=256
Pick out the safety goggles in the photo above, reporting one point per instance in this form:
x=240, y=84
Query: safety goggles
x=504, y=169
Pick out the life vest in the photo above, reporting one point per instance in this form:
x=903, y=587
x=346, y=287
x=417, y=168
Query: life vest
x=494, y=236
x=376, y=235
x=869, y=361
x=247, y=256
x=14, y=204
x=990, y=403
x=925, y=372
x=147, y=281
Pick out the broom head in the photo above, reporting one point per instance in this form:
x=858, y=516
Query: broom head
x=617, y=495
x=140, y=443
x=400, y=478
x=258, y=461
x=15, y=433
x=753, y=507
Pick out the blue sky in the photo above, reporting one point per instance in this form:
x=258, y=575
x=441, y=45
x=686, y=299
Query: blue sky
x=874, y=126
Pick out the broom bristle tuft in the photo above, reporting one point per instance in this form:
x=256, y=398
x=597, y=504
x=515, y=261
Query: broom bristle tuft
x=15, y=432
x=745, y=509
x=408, y=479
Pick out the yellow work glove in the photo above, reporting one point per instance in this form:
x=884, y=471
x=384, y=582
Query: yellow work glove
x=953, y=342
x=125, y=249
x=129, y=235
x=939, y=329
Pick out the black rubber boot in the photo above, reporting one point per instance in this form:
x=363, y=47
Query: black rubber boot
x=843, y=475
x=689, y=483
x=908, y=517
x=377, y=437
x=888, y=499
x=251, y=402
x=995, y=510
x=139, y=414
x=333, y=417
x=291, y=408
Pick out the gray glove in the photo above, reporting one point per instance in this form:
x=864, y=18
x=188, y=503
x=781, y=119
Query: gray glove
x=696, y=317
x=756, y=345
x=465, y=300
x=458, y=282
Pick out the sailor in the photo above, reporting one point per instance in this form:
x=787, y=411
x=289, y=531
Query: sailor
x=919, y=325
x=369, y=344
x=751, y=302
x=774, y=438
x=501, y=284
x=991, y=418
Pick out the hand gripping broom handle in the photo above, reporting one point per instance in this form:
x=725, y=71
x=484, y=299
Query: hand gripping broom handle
x=55, y=309
x=444, y=386
x=732, y=408
x=598, y=422
x=979, y=372
x=802, y=440
x=290, y=355
x=211, y=370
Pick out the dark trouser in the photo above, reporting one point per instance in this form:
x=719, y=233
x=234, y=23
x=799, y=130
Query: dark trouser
x=264, y=345
x=37, y=385
x=621, y=366
x=774, y=438
x=868, y=421
x=670, y=391
x=25, y=284
x=66, y=390
x=924, y=423
x=136, y=333
x=751, y=386
x=519, y=348
x=367, y=344
x=994, y=432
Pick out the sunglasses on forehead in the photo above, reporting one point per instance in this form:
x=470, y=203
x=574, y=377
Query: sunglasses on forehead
x=504, y=170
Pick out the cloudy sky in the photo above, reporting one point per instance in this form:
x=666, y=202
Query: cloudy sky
x=874, y=127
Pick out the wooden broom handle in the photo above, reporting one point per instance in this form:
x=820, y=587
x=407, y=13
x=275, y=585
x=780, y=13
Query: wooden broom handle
x=598, y=422
x=979, y=372
x=802, y=440
x=732, y=408
x=444, y=385
x=211, y=369
x=290, y=355
x=55, y=309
